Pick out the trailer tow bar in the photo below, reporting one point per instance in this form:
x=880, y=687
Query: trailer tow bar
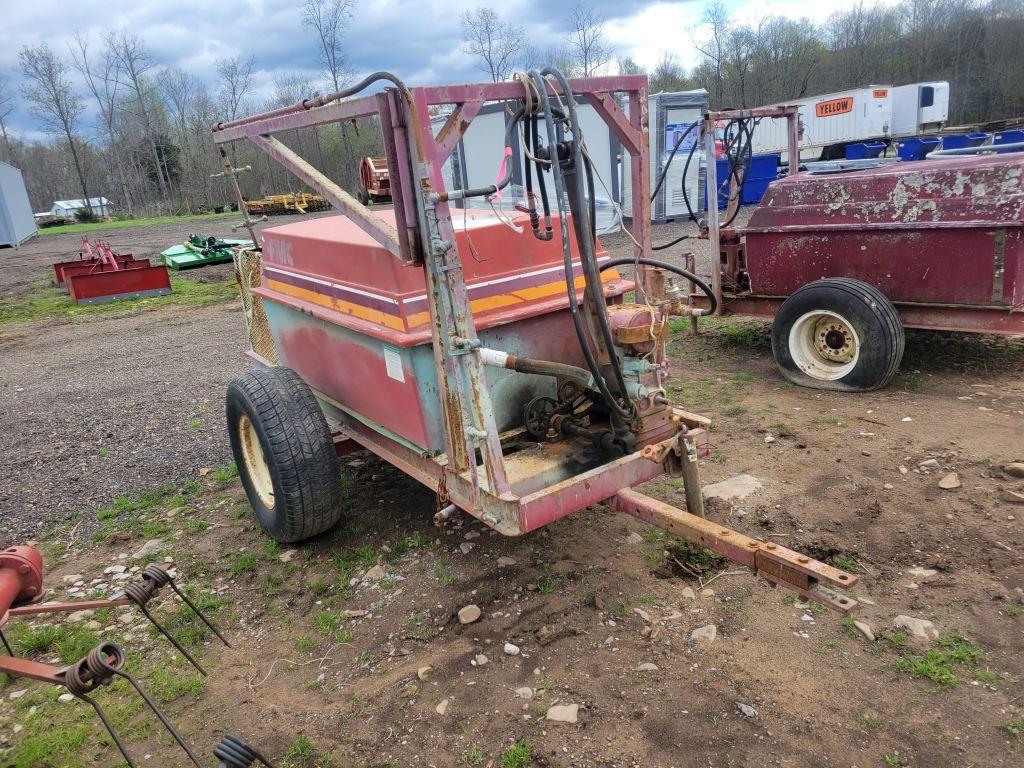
x=779, y=565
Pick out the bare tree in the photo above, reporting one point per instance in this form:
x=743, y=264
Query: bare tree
x=6, y=107
x=628, y=66
x=134, y=63
x=235, y=82
x=52, y=100
x=496, y=44
x=329, y=19
x=668, y=74
x=587, y=43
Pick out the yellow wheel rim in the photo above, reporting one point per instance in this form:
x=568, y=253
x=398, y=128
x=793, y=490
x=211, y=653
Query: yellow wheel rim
x=255, y=464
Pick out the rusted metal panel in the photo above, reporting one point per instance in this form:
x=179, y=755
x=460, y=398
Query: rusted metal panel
x=455, y=128
x=932, y=232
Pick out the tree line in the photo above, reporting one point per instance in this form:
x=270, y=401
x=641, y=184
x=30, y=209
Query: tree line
x=149, y=148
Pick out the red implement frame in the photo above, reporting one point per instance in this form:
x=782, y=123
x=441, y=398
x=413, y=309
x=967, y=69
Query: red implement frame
x=103, y=275
x=512, y=493
x=919, y=307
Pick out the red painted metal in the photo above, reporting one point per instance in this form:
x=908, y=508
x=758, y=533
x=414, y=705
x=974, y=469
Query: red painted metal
x=80, y=265
x=942, y=239
x=21, y=578
x=374, y=179
x=132, y=280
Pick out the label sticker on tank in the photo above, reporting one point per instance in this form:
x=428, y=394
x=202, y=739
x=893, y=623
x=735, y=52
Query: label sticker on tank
x=393, y=363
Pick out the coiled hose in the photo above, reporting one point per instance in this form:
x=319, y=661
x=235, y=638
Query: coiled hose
x=627, y=261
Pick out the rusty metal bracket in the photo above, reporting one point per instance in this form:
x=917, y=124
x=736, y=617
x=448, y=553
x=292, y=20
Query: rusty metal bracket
x=779, y=565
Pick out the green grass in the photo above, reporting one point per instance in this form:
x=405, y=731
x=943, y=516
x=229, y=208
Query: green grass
x=1014, y=730
x=225, y=475
x=474, y=756
x=519, y=755
x=47, y=302
x=914, y=382
x=734, y=410
x=242, y=564
x=132, y=223
x=941, y=664
x=69, y=641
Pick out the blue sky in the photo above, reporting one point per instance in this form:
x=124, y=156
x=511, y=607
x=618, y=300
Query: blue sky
x=420, y=40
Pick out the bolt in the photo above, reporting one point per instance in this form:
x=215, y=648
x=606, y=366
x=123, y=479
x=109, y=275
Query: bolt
x=803, y=560
x=770, y=546
x=23, y=569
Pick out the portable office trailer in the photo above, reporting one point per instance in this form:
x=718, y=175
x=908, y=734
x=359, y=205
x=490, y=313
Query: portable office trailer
x=669, y=116
x=17, y=223
x=833, y=120
x=477, y=158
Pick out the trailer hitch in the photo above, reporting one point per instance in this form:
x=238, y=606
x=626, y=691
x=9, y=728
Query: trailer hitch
x=779, y=565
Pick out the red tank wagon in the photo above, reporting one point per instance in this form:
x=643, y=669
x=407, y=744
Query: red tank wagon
x=845, y=260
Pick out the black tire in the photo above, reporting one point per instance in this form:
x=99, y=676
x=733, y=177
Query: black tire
x=823, y=313
x=364, y=196
x=274, y=417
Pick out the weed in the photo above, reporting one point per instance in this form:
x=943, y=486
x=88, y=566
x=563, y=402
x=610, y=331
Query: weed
x=169, y=684
x=845, y=562
x=243, y=563
x=271, y=549
x=306, y=644
x=326, y=623
x=301, y=748
x=444, y=573
x=474, y=756
x=1014, y=730
x=103, y=453
x=873, y=722
x=621, y=609
x=830, y=420
x=387, y=584
x=939, y=664
x=893, y=760
x=195, y=424
x=914, y=382
x=519, y=755
x=225, y=475
x=783, y=430
x=274, y=582
x=548, y=583
x=734, y=410
x=985, y=676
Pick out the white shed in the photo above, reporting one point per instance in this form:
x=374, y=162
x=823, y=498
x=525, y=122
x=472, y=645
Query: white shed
x=16, y=221
x=100, y=206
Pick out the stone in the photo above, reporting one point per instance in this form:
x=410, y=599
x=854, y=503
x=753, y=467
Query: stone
x=71, y=579
x=1013, y=469
x=511, y=649
x=471, y=535
x=466, y=547
x=689, y=594
x=469, y=614
x=443, y=706
x=707, y=592
x=647, y=667
x=149, y=549
x=769, y=439
x=919, y=628
x=423, y=673
x=524, y=693
x=115, y=569
x=288, y=555
x=642, y=614
x=480, y=659
x=929, y=464
x=352, y=614
x=921, y=573
x=506, y=562
x=950, y=481
x=904, y=470
x=17, y=694
x=704, y=634
x=64, y=698
x=736, y=487
x=79, y=616
x=563, y=713
x=1014, y=497
x=634, y=538
x=746, y=710
x=375, y=574
x=865, y=629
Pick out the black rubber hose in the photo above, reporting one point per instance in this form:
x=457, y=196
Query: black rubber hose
x=581, y=376
x=506, y=178
x=686, y=172
x=574, y=310
x=588, y=261
x=664, y=171
x=626, y=261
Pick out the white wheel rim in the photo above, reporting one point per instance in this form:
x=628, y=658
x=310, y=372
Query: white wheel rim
x=255, y=465
x=824, y=345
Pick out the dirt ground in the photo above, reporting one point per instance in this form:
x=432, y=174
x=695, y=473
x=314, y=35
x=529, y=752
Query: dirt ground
x=326, y=648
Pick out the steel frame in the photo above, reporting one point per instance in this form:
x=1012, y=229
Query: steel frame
x=424, y=235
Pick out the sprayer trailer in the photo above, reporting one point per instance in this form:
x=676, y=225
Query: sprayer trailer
x=497, y=360
x=833, y=120
x=844, y=259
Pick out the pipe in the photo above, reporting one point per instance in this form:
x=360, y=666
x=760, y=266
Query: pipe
x=940, y=153
x=498, y=359
x=627, y=261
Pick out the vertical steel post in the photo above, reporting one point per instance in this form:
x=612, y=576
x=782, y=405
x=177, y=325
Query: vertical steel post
x=232, y=173
x=641, y=181
x=691, y=477
x=793, y=130
x=711, y=198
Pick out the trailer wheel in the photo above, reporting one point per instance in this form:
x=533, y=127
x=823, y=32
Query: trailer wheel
x=284, y=453
x=838, y=334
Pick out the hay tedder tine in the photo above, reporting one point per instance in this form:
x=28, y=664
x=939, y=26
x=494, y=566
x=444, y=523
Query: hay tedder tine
x=779, y=565
x=235, y=753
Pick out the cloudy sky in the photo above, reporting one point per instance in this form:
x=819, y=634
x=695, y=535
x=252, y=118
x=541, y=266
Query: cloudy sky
x=420, y=40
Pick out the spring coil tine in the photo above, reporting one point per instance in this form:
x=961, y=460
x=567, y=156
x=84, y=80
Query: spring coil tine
x=154, y=577
x=235, y=753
